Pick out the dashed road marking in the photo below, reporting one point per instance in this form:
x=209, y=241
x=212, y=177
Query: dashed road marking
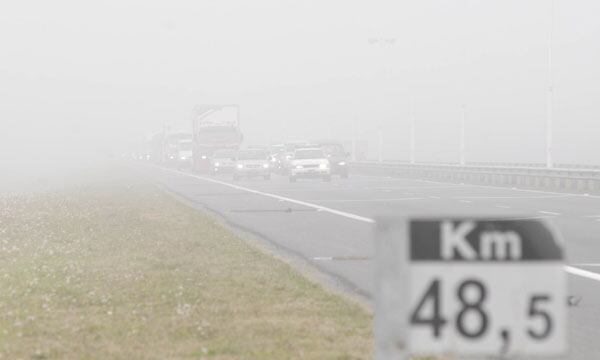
x=367, y=200
x=502, y=206
x=341, y=258
x=548, y=212
x=512, y=197
x=515, y=189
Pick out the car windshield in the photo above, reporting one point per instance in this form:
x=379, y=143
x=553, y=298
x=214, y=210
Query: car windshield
x=334, y=149
x=252, y=155
x=224, y=154
x=309, y=154
x=185, y=146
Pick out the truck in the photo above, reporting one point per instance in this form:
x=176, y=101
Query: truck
x=214, y=127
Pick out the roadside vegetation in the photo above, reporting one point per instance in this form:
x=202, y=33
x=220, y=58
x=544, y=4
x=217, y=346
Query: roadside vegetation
x=117, y=269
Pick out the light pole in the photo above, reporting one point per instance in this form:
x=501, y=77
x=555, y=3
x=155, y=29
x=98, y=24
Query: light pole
x=463, y=122
x=380, y=145
x=549, y=130
x=382, y=42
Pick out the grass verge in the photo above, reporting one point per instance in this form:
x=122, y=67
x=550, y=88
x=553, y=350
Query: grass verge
x=119, y=270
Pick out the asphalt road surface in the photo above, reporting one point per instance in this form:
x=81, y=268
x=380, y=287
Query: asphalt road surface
x=330, y=224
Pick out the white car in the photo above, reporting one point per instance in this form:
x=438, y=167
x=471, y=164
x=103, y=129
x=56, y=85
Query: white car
x=222, y=161
x=252, y=163
x=309, y=163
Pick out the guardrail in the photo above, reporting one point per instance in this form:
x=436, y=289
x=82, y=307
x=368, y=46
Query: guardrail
x=556, y=179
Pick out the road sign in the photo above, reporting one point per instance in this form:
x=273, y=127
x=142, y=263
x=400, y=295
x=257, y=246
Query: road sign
x=469, y=287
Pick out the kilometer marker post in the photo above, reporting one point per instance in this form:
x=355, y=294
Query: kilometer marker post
x=469, y=287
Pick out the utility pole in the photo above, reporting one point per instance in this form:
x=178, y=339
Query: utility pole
x=549, y=130
x=354, y=135
x=380, y=145
x=463, y=121
x=413, y=140
x=163, y=155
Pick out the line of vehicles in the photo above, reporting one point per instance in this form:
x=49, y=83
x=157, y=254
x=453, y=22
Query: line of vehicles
x=296, y=160
x=215, y=147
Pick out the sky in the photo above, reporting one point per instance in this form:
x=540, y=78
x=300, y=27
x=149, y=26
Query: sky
x=79, y=79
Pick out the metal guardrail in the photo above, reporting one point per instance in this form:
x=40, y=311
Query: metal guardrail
x=558, y=179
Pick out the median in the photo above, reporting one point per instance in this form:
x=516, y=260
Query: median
x=116, y=269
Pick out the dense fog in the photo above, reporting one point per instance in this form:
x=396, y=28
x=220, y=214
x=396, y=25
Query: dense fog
x=86, y=79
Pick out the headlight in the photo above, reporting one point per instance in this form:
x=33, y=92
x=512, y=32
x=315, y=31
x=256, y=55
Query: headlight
x=298, y=166
x=203, y=157
x=239, y=166
x=342, y=163
x=172, y=157
x=266, y=166
x=323, y=166
x=217, y=164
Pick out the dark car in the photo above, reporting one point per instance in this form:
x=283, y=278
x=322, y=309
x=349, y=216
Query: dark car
x=337, y=156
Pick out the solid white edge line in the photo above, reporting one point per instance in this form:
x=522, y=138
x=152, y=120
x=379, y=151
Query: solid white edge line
x=569, y=269
x=583, y=273
x=278, y=197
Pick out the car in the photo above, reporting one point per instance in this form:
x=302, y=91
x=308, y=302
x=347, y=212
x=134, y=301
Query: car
x=309, y=163
x=184, y=154
x=337, y=156
x=222, y=161
x=252, y=163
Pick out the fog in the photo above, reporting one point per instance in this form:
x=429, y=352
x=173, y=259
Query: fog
x=82, y=80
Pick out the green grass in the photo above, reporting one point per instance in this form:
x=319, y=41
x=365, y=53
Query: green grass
x=116, y=269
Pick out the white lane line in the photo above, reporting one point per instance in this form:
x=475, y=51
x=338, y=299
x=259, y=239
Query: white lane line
x=502, y=206
x=512, y=197
x=587, y=264
x=583, y=273
x=346, y=257
x=570, y=269
x=465, y=201
x=548, y=212
x=278, y=197
x=366, y=200
x=567, y=194
x=530, y=217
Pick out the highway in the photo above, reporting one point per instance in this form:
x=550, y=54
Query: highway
x=330, y=224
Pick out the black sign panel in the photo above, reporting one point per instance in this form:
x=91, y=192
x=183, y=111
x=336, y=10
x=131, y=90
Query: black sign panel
x=482, y=240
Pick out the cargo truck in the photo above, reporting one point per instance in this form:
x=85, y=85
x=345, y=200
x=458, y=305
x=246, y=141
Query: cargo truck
x=214, y=127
